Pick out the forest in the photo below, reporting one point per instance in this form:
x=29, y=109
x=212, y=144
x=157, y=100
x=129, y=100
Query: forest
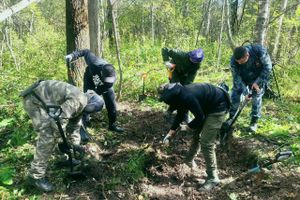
x=37, y=35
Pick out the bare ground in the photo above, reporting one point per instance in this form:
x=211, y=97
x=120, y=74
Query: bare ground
x=165, y=174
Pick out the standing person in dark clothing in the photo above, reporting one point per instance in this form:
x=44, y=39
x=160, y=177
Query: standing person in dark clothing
x=100, y=77
x=208, y=104
x=251, y=67
x=182, y=67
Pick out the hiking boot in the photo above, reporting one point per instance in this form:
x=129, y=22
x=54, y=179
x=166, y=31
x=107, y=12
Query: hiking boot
x=115, y=128
x=41, y=184
x=209, y=185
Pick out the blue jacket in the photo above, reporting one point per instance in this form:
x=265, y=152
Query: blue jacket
x=256, y=70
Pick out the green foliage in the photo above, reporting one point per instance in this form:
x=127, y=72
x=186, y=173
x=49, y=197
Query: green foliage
x=5, y=122
x=134, y=169
x=40, y=52
x=6, y=175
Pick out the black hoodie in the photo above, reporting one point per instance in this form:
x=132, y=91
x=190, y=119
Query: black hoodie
x=199, y=98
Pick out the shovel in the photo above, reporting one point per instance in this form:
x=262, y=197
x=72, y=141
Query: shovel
x=227, y=127
x=54, y=111
x=281, y=156
x=143, y=96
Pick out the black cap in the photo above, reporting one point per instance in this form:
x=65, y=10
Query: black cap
x=239, y=52
x=109, y=74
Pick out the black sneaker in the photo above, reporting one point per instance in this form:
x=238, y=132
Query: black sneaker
x=41, y=184
x=115, y=128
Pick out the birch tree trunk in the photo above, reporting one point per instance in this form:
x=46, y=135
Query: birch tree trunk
x=220, y=36
x=15, y=8
x=152, y=23
x=206, y=30
x=94, y=26
x=102, y=25
x=10, y=47
x=117, y=43
x=229, y=33
x=277, y=38
x=77, y=31
x=262, y=21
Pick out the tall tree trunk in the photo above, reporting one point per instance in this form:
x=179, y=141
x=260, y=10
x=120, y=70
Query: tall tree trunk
x=233, y=6
x=240, y=16
x=15, y=8
x=10, y=47
x=229, y=33
x=94, y=26
x=102, y=25
x=208, y=14
x=110, y=23
x=152, y=23
x=2, y=50
x=220, y=36
x=77, y=30
x=117, y=42
x=262, y=21
x=277, y=38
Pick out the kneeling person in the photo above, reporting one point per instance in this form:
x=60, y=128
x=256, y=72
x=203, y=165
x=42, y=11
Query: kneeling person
x=208, y=104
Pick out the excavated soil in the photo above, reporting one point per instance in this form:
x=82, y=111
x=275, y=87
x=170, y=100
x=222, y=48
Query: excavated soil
x=165, y=174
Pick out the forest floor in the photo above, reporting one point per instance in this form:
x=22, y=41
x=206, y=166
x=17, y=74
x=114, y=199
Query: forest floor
x=136, y=165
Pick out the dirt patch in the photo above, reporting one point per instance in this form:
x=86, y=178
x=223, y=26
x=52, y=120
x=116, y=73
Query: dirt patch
x=141, y=167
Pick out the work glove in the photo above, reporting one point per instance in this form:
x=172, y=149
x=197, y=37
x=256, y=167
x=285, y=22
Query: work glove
x=69, y=58
x=169, y=65
x=170, y=134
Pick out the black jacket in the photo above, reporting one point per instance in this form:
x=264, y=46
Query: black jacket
x=99, y=74
x=199, y=98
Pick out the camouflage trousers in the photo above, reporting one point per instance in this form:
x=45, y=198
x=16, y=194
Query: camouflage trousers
x=48, y=134
x=256, y=102
x=206, y=139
